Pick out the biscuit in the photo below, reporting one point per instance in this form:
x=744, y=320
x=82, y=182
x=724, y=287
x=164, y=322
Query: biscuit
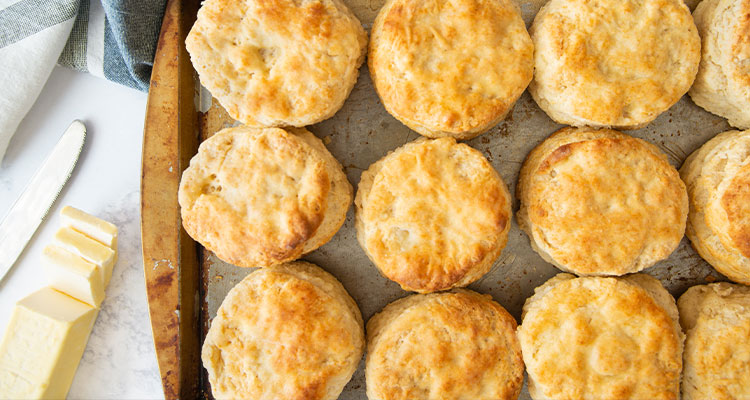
x=612, y=63
x=286, y=332
x=450, y=68
x=716, y=320
x=277, y=63
x=260, y=197
x=717, y=176
x=602, y=338
x=722, y=85
x=432, y=215
x=599, y=202
x=454, y=345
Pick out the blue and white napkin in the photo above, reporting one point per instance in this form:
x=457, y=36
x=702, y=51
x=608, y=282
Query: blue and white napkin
x=112, y=39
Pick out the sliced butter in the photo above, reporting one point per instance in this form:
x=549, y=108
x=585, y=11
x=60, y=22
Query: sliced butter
x=91, y=250
x=43, y=345
x=74, y=276
x=91, y=226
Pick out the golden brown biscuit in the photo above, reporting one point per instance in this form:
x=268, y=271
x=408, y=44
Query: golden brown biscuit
x=450, y=68
x=722, y=85
x=260, y=197
x=599, y=202
x=601, y=338
x=716, y=320
x=718, y=182
x=286, y=332
x=432, y=215
x=277, y=63
x=612, y=63
x=456, y=345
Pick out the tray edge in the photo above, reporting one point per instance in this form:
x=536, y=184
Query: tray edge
x=169, y=255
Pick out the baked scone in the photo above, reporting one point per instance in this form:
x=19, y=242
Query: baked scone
x=612, y=63
x=456, y=345
x=717, y=176
x=286, y=332
x=450, y=68
x=260, y=197
x=277, y=63
x=722, y=85
x=716, y=321
x=432, y=215
x=600, y=202
x=602, y=338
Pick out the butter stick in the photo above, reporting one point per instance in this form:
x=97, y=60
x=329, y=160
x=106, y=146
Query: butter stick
x=73, y=275
x=96, y=228
x=43, y=345
x=90, y=249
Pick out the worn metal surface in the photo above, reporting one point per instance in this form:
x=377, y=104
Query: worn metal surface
x=362, y=132
x=170, y=263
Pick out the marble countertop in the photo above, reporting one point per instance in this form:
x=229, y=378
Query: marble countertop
x=119, y=361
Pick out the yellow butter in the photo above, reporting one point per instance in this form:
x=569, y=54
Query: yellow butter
x=91, y=250
x=43, y=345
x=73, y=275
x=91, y=226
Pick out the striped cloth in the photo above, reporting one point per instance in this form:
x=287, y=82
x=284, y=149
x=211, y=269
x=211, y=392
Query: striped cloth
x=112, y=39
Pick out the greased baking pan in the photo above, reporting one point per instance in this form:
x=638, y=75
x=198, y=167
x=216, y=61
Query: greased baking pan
x=186, y=284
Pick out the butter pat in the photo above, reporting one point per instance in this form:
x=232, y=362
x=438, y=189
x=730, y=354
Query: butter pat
x=43, y=345
x=91, y=250
x=74, y=276
x=91, y=226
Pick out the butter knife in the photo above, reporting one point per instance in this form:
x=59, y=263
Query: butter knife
x=32, y=206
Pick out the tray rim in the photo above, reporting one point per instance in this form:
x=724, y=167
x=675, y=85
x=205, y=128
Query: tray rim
x=169, y=255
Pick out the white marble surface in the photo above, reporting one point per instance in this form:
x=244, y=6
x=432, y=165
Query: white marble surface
x=119, y=362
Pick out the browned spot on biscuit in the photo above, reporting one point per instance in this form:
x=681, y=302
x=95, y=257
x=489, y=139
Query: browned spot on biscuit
x=556, y=156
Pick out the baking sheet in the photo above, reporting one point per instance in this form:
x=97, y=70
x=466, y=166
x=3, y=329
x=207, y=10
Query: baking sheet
x=362, y=132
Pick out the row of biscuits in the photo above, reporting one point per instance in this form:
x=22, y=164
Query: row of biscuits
x=434, y=214
x=253, y=61
x=442, y=202
x=292, y=331
x=456, y=68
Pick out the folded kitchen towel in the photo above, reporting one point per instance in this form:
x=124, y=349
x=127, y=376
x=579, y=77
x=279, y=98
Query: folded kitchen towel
x=113, y=39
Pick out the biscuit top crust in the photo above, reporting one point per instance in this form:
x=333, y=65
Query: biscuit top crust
x=430, y=212
x=254, y=196
x=447, y=67
x=736, y=204
x=284, y=332
x=277, y=62
x=614, y=63
x=716, y=318
x=740, y=47
x=600, y=338
x=601, y=202
x=457, y=345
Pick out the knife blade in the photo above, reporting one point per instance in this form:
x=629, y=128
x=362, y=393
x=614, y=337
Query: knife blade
x=32, y=206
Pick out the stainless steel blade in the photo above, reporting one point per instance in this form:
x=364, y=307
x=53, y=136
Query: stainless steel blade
x=32, y=206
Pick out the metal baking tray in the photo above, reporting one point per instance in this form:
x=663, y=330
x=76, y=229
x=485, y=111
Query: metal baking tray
x=186, y=284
